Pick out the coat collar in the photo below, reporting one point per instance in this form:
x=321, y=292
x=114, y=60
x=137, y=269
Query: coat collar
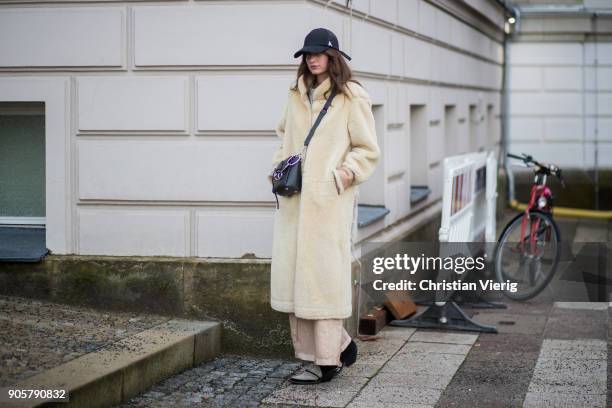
x=318, y=91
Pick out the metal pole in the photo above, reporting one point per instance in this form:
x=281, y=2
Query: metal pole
x=505, y=107
x=596, y=118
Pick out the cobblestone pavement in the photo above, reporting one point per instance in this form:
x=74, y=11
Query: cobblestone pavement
x=37, y=335
x=228, y=380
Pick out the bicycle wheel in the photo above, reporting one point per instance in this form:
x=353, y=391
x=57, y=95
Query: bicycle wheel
x=529, y=260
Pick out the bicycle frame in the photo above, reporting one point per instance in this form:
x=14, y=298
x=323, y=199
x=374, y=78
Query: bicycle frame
x=539, y=190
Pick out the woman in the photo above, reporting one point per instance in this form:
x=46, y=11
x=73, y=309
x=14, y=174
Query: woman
x=311, y=252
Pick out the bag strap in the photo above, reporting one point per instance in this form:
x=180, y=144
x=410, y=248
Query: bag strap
x=321, y=114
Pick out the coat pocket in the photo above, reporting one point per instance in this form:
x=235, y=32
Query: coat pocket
x=322, y=193
x=338, y=181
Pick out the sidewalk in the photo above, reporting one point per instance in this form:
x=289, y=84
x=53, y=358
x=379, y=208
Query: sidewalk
x=405, y=368
x=544, y=356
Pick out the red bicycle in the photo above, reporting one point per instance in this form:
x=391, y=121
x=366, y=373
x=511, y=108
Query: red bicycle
x=529, y=247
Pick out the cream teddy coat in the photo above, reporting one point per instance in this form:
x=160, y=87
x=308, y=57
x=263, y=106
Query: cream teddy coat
x=311, y=250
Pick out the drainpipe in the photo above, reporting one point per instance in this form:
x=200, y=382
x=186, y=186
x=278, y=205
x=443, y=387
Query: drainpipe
x=596, y=130
x=505, y=103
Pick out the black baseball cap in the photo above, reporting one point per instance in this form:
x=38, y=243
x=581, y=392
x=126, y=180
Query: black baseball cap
x=318, y=40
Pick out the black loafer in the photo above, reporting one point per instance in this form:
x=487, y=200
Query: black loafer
x=349, y=355
x=331, y=373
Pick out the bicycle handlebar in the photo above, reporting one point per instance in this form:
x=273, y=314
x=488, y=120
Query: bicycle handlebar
x=525, y=158
x=546, y=168
x=514, y=156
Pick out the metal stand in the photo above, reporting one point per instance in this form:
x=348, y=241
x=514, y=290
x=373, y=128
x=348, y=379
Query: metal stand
x=469, y=299
x=447, y=317
x=476, y=301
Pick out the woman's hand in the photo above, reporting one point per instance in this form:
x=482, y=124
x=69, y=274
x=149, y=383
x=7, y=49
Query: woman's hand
x=347, y=176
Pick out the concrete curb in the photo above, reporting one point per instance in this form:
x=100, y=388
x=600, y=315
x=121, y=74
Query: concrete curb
x=127, y=367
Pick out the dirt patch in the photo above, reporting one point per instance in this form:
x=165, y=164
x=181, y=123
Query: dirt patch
x=37, y=335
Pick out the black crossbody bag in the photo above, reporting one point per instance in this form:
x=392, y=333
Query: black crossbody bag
x=287, y=175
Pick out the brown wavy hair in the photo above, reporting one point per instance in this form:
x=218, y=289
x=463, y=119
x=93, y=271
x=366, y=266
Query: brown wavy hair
x=338, y=70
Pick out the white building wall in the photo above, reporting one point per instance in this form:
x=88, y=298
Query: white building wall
x=560, y=82
x=558, y=97
x=156, y=156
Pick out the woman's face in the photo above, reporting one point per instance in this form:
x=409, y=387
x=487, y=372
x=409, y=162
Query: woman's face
x=317, y=62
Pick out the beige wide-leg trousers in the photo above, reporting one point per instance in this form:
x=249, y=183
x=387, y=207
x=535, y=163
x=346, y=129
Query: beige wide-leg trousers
x=320, y=341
